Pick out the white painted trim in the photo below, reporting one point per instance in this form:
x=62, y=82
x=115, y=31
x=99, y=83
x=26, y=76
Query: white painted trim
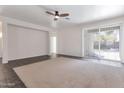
x=82, y=45
x=26, y=24
x=101, y=26
x=5, y=42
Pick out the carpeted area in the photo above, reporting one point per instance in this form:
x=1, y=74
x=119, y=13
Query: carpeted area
x=68, y=73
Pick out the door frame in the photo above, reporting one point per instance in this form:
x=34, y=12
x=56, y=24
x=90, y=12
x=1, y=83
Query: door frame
x=98, y=27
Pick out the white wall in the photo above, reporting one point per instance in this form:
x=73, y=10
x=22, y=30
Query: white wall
x=26, y=42
x=69, y=41
x=5, y=31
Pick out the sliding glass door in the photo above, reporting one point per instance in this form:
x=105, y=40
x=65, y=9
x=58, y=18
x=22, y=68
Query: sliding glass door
x=103, y=43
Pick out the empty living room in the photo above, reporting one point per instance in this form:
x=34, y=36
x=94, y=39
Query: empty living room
x=62, y=46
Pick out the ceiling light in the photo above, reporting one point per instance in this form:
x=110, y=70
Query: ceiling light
x=56, y=16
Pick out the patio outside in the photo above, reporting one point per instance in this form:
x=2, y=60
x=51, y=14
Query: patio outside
x=106, y=45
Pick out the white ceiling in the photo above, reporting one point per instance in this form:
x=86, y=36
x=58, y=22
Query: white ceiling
x=78, y=13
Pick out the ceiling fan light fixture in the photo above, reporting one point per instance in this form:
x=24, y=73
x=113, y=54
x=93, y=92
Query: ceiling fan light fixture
x=57, y=17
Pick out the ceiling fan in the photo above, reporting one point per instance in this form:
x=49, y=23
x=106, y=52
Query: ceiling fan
x=57, y=15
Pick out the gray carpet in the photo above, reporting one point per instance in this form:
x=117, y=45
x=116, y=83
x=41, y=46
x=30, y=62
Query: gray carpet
x=68, y=73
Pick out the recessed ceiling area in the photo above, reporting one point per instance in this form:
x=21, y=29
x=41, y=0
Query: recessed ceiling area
x=78, y=13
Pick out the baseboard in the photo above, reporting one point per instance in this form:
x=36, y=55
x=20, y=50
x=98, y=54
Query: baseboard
x=25, y=61
x=69, y=56
x=28, y=60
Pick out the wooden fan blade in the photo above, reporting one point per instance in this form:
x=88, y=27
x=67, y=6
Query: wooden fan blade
x=50, y=13
x=64, y=15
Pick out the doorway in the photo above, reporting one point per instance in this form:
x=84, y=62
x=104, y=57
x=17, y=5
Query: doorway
x=53, y=46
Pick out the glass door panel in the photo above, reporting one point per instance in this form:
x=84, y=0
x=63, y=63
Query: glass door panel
x=92, y=46
x=109, y=45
